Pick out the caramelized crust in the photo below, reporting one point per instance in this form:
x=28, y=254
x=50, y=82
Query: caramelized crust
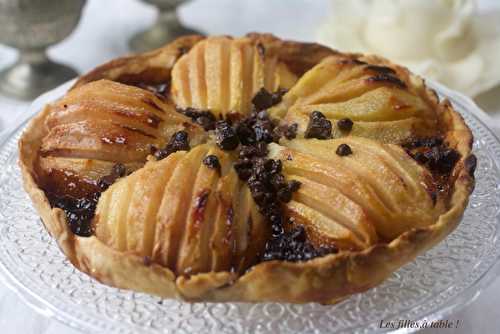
x=177, y=226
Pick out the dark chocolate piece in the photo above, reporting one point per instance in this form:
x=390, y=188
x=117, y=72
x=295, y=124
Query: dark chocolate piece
x=265, y=100
x=225, y=136
x=319, y=126
x=434, y=153
x=204, y=118
x=269, y=188
x=293, y=245
x=178, y=142
x=343, y=150
x=211, y=161
x=345, y=124
x=287, y=131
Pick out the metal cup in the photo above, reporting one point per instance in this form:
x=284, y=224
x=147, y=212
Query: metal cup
x=31, y=26
x=167, y=27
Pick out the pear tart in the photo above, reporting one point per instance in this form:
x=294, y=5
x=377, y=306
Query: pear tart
x=247, y=169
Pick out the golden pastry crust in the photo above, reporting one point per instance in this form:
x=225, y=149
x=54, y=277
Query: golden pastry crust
x=326, y=279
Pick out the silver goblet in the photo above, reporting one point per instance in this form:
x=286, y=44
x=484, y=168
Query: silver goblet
x=31, y=26
x=167, y=27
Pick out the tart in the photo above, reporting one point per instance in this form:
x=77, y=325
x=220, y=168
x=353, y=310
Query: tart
x=247, y=169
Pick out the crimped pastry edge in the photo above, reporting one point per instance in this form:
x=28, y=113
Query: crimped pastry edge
x=326, y=280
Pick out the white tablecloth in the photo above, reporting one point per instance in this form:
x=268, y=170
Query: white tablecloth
x=103, y=33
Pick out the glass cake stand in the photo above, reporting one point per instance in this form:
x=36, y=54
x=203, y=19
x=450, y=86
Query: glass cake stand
x=433, y=286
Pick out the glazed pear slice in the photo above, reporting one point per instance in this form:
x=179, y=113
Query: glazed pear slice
x=105, y=119
x=251, y=230
x=101, y=140
x=108, y=100
x=338, y=220
x=184, y=215
x=321, y=230
x=194, y=255
x=128, y=106
x=146, y=202
x=141, y=219
x=376, y=98
x=222, y=242
x=394, y=192
x=176, y=201
x=217, y=234
x=381, y=104
x=222, y=75
x=97, y=125
x=392, y=132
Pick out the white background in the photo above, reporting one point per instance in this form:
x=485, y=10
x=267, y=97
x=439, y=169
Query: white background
x=103, y=33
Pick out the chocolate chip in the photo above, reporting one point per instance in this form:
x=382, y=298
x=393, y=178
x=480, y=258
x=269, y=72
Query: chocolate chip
x=284, y=195
x=287, y=131
x=319, y=127
x=79, y=211
x=202, y=117
x=424, y=142
x=293, y=245
x=262, y=100
x=433, y=153
x=445, y=161
x=343, y=150
x=225, y=136
x=345, y=124
x=211, y=161
x=294, y=185
x=265, y=100
x=178, y=142
x=245, y=133
x=257, y=127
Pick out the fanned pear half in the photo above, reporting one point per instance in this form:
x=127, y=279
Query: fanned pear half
x=376, y=193
x=103, y=123
x=184, y=215
x=178, y=223
x=223, y=74
x=380, y=100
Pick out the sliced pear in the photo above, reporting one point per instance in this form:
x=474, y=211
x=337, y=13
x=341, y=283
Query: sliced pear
x=222, y=75
x=145, y=202
x=131, y=205
x=184, y=215
x=102, y=123
x=376, y=98
x=174, y=207
x=194, y=253
x=101, y=140
x=392, y=193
